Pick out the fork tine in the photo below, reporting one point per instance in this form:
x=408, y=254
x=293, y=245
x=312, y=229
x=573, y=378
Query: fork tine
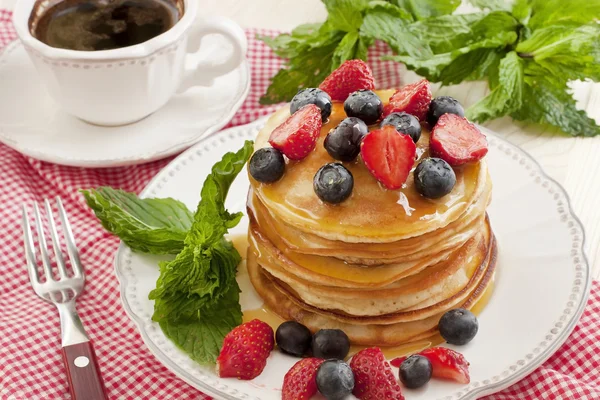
x=29, y=253
x=43, y=244
x=60, y=261
x=71, y=247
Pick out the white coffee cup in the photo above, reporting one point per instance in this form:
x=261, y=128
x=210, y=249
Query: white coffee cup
x=124, y=85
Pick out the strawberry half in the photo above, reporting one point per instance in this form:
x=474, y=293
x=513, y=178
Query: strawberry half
x=396, y=362
x=389, y=156
x=351, y=76
x=457, y=141
x=448, y=364
x=373, y=376
x=245, y=350
x=412, y=99
x=300, y=382
x=298, y=135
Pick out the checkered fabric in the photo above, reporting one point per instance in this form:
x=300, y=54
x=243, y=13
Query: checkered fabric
x=30, y=361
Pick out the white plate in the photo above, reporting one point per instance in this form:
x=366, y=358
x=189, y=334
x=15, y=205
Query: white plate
x=541, y=287
x=32, y=123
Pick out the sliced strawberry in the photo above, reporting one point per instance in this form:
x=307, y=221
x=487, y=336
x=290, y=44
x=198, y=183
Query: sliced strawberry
x=351, y=76
x=298, y=135
x=245, y=350
x=373, y=376
x=397, y=361
x=448, y=364
x=412, y=99
x=388, y=155
x=300, y=381
x=457, y=141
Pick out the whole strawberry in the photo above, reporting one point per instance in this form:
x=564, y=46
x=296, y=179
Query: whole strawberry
x=349, y=77
x=300, y=381
x=413, y=99
x=373, y=376
x=245, y=350
x=298, y=134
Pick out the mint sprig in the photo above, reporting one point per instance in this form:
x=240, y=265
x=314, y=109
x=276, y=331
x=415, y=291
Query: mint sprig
x=528, y=51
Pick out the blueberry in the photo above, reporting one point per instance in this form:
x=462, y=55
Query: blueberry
x=312, y=96
x=364, y=104
x=330, y=343
x=404, y=123
x=443, y=105
x=415, y=371
x=434, y=178
x=293, y=338
x=343, y=142
x=458, y=326
x=335, y=379
x=333, y=183
x=267, y=165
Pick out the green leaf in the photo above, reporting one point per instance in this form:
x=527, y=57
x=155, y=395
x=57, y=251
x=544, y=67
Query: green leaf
x=491, y=5
x=155, y=226
x=545, y=13
x=546, y=100
x=568, y=51
x=202, y=338
x=508, y=94
x=521, y=10
x=422, y=9
x=347, y=48
x=345, y=15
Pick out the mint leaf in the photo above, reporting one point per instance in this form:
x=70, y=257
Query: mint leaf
x=347, y=48
x=558, y=12
x=422, y=9
x=155, y=226
x=491, y=5
x=521, y=10
x=546, y=100
x=202, y=338
x=345, y=15
x=508, y=94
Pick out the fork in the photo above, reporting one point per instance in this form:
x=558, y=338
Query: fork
x=85, y=381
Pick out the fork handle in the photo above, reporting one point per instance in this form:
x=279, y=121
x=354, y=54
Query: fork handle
x=85, y=381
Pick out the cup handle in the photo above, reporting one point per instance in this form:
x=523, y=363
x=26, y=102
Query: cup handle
x=204, y=73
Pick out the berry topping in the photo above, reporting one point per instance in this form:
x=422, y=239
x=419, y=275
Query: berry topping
x=457, y=141
x=404, y=123
x=293, y=338
x=434, y=178
x=300, y=381
x=364, y=104
x=267, y=165
x=245, y=350
x=389, y=156
x=373, y=376
x=335, y=379
x=412, y=99
x=333, y=183
x=343, y=142
x=397, y=362
x=298, y=135
x=415, y=371
x=351, y=76
x=458, y=326
x=330, y=343
x=312, y=96
x=448, y=364
x=443, y=105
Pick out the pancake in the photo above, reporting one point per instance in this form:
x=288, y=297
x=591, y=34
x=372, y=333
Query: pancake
x=367, y=335
x=370, y=214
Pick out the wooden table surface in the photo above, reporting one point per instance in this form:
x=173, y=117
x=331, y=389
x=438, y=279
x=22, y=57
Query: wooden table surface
x=573, y=162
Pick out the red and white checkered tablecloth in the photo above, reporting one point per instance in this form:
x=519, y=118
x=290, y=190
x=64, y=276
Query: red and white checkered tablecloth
x=30, y=361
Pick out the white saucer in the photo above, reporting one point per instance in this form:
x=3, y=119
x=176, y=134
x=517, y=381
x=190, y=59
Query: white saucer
x=541, y=287
x=33, y=124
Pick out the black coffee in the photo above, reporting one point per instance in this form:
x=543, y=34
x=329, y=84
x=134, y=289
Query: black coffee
x=104, y=24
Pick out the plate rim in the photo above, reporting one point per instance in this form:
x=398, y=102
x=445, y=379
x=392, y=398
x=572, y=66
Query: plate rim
x=472, y=391
x=147, y=157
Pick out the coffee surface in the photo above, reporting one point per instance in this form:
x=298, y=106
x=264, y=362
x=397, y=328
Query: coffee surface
x=90, y=25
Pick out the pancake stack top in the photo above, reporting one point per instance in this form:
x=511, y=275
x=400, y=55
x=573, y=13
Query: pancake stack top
x=383, y=265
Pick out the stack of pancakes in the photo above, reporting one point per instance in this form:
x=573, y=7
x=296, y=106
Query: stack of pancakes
x=384, y=265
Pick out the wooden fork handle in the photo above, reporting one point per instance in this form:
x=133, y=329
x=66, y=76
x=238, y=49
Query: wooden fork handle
x=85, y=381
